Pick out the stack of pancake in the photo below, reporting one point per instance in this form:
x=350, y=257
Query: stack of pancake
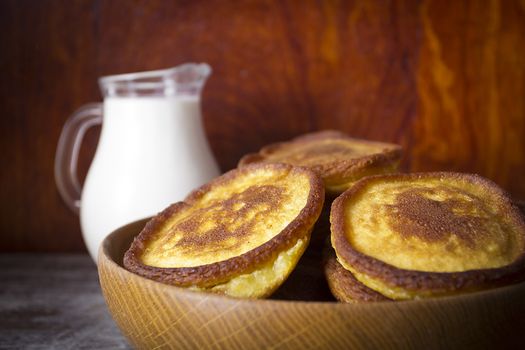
x=410, y=236
x=385, y=237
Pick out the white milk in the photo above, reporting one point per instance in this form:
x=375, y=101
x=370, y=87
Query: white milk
x=152, y=152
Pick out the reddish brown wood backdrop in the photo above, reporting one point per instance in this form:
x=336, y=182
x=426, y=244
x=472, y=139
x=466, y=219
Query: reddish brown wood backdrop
x=446, y=79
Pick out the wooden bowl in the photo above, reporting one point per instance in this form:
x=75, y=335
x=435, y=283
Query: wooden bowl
x=154, y=315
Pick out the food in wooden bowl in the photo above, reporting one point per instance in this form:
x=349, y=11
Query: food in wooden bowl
x=157, y=315
x=410, y=236
x=241, y=234
x=339, y=159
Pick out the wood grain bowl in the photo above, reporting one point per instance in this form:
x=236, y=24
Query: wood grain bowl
x=155, y=315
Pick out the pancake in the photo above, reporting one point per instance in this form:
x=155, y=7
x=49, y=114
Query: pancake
x=339, y=159
x=409, y=236
x=344, y=286
x=240, y=235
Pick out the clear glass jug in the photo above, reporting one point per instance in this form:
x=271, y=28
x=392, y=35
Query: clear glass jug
x=152, y=149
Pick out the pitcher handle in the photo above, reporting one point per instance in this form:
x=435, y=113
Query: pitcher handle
x=66, y=157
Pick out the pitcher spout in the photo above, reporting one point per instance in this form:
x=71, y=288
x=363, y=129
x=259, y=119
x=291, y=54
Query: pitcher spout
x=188, y=78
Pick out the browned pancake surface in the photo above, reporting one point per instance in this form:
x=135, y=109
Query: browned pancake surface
x=425, y=234
x=233, y=225
x=340, y=160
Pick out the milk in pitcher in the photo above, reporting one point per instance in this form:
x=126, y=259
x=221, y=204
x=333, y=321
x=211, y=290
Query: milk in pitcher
x=152, y=152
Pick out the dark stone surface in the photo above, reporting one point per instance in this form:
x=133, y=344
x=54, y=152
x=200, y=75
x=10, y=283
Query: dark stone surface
x=54, y=302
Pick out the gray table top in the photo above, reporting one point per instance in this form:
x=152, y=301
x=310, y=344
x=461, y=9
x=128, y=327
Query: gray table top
x=54, y=301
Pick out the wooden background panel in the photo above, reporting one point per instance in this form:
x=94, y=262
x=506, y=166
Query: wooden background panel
x=46, y=62
x=446, y=79
x=471, y=85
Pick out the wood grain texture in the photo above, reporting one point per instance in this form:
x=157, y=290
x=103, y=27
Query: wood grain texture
x=445, y=79
x=154, y=315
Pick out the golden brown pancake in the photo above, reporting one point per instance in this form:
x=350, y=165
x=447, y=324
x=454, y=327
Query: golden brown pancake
x=339, y=160
x=241, y=234
x=344, y=286
x=419, y=235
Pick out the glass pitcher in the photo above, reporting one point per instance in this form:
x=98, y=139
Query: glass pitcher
x=152, y=149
